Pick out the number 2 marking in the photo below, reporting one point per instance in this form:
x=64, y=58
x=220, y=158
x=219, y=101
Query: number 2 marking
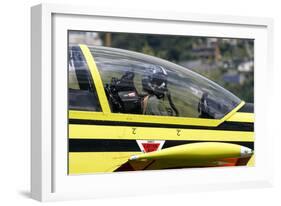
x=134, y=130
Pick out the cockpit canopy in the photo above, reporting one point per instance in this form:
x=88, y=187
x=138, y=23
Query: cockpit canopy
x=191, y=94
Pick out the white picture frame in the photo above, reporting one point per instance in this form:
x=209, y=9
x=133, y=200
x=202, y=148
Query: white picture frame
x=49, y=179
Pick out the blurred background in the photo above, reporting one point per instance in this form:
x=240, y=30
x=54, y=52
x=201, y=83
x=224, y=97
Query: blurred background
x=228, y=62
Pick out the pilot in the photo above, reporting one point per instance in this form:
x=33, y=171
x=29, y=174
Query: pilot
x=158, y=100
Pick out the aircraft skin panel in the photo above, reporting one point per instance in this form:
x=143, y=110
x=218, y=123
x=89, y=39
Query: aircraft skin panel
x=88, y=115
x=96, y=162
x=242, y=117
x=106, y=159
x=117, y=132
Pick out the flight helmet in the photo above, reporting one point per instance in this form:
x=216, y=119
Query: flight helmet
x=155, y=81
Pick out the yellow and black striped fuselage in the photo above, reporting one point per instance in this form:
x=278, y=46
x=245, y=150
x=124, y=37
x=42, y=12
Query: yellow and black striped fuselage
x=100, y=144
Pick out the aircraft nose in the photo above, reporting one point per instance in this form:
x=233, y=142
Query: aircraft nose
x=246, y=152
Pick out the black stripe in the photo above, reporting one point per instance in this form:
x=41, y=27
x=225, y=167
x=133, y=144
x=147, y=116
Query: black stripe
x=247, y=108
x=113, y=145
x=102, y=145
x=229, y=126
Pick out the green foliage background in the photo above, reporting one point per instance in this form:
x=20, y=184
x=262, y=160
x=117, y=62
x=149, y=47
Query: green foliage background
x=179, y=49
